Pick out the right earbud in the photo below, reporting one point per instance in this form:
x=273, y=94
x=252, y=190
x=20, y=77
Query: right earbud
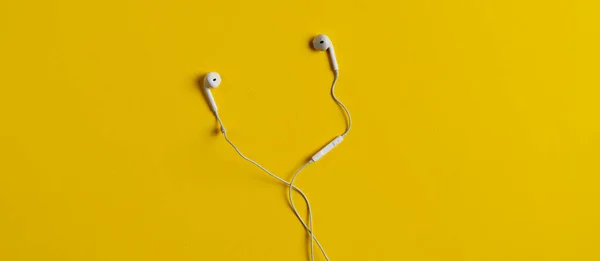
x=321, y=42
x=211, y=80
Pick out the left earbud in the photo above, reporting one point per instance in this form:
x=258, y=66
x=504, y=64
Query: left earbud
x=322, y=43
x=211, y=80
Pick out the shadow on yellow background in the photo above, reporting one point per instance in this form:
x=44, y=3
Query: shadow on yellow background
x=476, y=132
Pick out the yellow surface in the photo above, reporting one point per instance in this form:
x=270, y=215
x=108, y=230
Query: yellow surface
x=476, y=133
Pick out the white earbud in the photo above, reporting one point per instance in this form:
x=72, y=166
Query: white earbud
x=321, y=42
x=211, y=80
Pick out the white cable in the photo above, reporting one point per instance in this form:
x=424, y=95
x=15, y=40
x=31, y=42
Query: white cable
x=290, y=192
x=336, y=76
x=309, y=227
x=291, y=184
x=309, y=210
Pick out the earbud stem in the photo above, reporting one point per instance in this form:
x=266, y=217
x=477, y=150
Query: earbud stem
x=332, y=58
x=211, y=100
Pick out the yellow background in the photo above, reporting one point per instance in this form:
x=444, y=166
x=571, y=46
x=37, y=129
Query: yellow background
x=476, y=136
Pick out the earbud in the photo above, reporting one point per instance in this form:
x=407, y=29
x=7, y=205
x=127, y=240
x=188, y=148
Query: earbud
x=321, y=42
x=211, y=80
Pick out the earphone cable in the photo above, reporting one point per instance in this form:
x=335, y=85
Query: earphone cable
x=291, y=184
x=290, y=194
x=309, y=226
x=335, y=79
x=309, y=210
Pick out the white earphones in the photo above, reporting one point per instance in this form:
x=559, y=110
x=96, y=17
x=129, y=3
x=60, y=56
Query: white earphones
x=213, y=79
x=322, y=43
